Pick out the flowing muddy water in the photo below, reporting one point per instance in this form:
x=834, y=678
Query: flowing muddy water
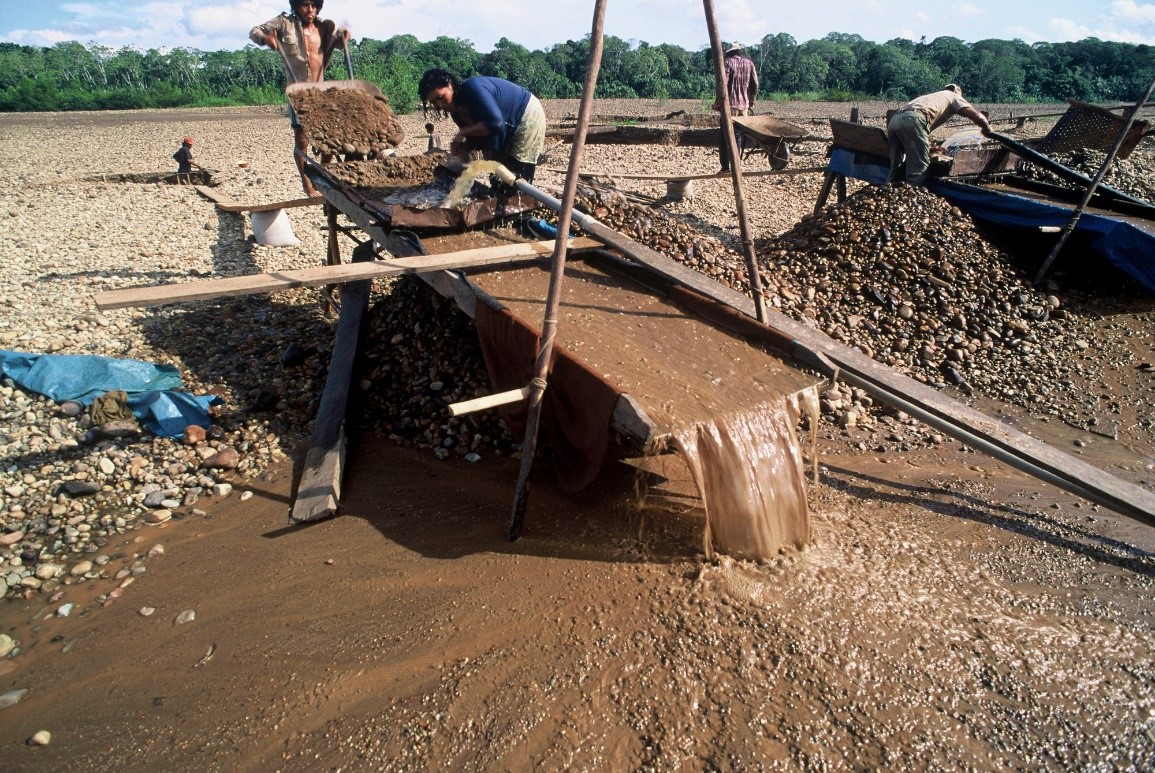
x=465, y=182
x=748, y=469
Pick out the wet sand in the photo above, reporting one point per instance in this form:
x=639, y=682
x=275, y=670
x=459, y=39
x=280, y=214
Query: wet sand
x=945, y=616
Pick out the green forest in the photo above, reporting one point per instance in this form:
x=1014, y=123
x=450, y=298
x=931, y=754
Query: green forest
x=840, y=67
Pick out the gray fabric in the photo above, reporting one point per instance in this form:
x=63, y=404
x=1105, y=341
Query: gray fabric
x=529, y=136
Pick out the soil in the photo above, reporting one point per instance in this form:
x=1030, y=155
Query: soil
x=346, y=121
x=950, y=613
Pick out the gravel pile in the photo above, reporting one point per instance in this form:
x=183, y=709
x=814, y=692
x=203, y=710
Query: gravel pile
x=1134, y=175
x=67, y=488
x=422, y=354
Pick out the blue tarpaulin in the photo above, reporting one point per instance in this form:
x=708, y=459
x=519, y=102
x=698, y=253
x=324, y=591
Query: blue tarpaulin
x=85, y=377
x=1125, y=246
x=859, y=166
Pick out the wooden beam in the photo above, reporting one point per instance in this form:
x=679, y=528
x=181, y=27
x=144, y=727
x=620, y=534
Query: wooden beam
x=488, y=257
x=319, y=491
x=687, y=177
x=227, y=205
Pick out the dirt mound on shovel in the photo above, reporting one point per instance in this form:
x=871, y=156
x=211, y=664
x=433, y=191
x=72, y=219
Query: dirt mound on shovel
x=346, y=121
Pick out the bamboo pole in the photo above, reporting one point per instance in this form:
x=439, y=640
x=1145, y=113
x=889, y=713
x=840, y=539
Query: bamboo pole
x=1070, y=227
x=553, y=298
x=735, y=162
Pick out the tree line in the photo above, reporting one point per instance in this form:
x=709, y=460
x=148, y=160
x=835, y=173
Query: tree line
x=840, y=67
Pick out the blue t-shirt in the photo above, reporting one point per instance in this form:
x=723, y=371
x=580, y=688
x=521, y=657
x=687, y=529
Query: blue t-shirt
x=495, y=102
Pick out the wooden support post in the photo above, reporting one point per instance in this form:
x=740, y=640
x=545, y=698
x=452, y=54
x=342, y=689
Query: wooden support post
x=753, y=275
x=824, y=194
x=557, y=274
x=332, y=258
x=320, y=489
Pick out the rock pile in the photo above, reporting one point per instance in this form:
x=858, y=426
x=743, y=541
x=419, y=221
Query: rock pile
x=421, y=354
x=1134, y=175
x=388, y=171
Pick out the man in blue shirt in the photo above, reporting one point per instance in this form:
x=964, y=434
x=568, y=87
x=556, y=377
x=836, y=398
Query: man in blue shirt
x=501, y=119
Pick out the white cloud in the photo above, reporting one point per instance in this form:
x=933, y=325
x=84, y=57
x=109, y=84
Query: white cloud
x=1130, y=12
x=39, y=38
x=1063, y=30
x=964, y=10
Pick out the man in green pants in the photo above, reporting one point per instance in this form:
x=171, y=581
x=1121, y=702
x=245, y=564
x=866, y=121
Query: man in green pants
x=908, y=131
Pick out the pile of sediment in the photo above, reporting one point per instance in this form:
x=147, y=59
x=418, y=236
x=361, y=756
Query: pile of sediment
x=1134, y=175
x=346, y=121
x=421, y=353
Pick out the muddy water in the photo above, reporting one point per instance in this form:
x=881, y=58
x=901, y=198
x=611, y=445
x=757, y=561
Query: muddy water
x=749, y=472
x=461, y=188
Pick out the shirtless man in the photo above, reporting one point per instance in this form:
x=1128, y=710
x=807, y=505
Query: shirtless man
x=306, y=44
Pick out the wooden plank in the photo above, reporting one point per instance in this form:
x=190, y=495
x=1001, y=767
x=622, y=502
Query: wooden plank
x=319, y=491
x=859, y=137
x=228, y=205
x=490, y=257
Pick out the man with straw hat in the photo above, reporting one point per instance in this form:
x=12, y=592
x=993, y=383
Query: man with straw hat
x=742, y=88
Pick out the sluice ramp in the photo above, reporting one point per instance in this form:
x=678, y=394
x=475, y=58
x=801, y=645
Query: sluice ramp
x=671, y=367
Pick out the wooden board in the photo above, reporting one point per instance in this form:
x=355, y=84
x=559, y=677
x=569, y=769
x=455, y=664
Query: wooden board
x=227, y=205
x=249, y=284
x=319, y=491
x=860, y=138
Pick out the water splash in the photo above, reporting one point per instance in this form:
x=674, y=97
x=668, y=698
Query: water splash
x=461, y=189
x=748, y=470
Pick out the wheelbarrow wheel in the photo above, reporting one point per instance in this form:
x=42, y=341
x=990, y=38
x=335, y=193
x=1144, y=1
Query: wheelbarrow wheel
x=779, y=156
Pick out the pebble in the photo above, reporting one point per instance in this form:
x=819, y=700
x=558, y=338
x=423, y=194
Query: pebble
x=40, y=738
x=187, y=616
x=7, y=643
x=62, y=468
x=12, y=697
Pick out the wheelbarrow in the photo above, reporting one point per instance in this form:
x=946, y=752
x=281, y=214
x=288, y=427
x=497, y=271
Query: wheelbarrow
x=767, y=134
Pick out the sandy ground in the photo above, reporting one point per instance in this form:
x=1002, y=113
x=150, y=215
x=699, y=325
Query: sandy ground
x=951, y=613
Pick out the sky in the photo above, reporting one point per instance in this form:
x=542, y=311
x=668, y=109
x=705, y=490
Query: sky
x=210, y=25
